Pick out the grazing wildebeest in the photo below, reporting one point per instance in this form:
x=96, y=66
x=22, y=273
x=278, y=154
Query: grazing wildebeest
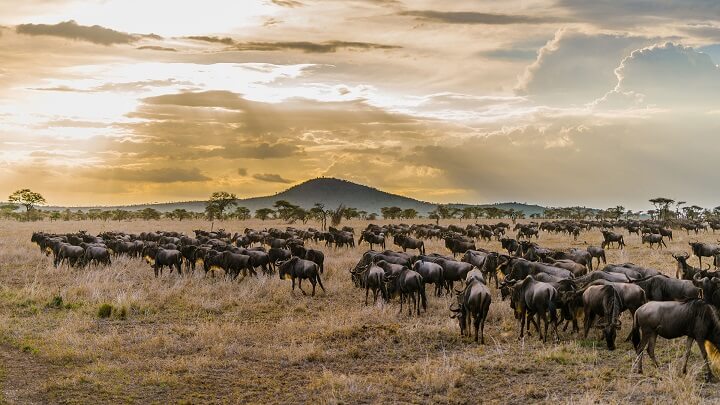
x=653, y=239
x=278, y=254
x=432, y=273
x=410, y=285
x=531, y=298
x=695, y=319
x=604, y=301
x=473, y=304
x=458, y=244
x=301, y=269
x=612, y=237
x=371, y=277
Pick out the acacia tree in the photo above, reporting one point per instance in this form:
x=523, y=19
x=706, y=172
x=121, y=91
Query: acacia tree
x=263, y=213
x=662, y=206
x=320, y=214
x=27, y=198
x=218, y=203
x=242, y=213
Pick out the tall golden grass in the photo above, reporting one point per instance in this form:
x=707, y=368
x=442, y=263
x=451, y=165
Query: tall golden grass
x=202, y=339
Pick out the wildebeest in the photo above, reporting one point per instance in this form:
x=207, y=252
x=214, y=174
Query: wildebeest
x=695, y=319
x=372, y=238
x=683, y=269
x=603, y=301
x=530, y=298
x=71, y=254
x=598, y=253
x=511, y=245
x=701, y=250
x=473, y=304
x=97, y=255
x=663, y=288
x=610, y=237
x=300, y=269
x=159, y=258
x=408, y=284
x=432, y=273
x=458, y=244
x=653, y=239
x=406, y=242
x=372, y=277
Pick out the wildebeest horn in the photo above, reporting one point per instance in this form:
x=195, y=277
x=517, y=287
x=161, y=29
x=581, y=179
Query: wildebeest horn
x=458, y=291
x=454, y=309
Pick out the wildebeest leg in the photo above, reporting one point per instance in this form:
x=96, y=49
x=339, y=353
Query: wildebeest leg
x=300, y=286
x=402, y=296
x=367, y=292
x=476, y=324
x=416, y=301
x=651, y=349
x=522, y=323
x=155, y=268
x=293, y=284
x=589, y=319
x=317, y=277
x=640, y=351
x=544, y=317
x=688, y=348
x=708, y=372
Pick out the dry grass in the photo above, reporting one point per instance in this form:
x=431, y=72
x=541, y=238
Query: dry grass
x=196, y=339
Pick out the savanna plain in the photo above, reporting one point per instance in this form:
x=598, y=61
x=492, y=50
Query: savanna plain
x=198, y=339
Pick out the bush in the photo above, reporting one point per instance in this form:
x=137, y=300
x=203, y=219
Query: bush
x=56, y=302
x=105, y=311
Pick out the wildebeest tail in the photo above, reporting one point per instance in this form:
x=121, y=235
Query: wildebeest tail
x=421, y=291
x=552, y=308
x=603, y=258
x=317, y=276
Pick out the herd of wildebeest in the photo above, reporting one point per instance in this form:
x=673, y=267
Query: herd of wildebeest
x=544, y=287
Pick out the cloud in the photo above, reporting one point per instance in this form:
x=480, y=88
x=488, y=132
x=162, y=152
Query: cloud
x=471, y=17
x=509, y=54
x=575, y=68
x=156, y=48
x=668, y=75
x=242, y=171
x=304, y=46
x=72, y=30
x=287, y=3
x=214, y=40
x=163, y=175
x=638, y=12
x=271, y=178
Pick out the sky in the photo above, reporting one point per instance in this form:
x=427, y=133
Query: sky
x=556, y=102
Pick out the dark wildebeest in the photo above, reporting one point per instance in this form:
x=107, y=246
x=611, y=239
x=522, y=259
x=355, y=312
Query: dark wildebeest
x=612, y=237
x=371, y=277
x=278, y=254
x=598, y=253
x=406, y=242
x=603, y=301
x=372, y=238
x=701, y=250
x=409, y=284
x=297, y=268
x=458, y=245
x=432, y=273
x=71, y=254
x=473, y=304
x=695, y=319
x=663, y=288
x=683, y=269
x=531, y=298
x=159, y=258
x=511, y=245
x=453, y=271
x=98, y=255
x=653, y=239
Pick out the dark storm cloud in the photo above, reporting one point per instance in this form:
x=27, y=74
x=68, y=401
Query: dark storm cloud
x=72, y=30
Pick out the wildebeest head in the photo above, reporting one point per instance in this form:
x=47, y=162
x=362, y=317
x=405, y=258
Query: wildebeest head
x=285, y=267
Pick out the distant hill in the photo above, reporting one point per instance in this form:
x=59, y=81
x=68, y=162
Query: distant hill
x=328, y=191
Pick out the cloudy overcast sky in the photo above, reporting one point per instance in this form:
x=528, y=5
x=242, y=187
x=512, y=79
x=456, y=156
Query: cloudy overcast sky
x=557, y=102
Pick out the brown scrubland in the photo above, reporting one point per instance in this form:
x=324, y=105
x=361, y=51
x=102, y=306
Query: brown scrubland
x=197, y=339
